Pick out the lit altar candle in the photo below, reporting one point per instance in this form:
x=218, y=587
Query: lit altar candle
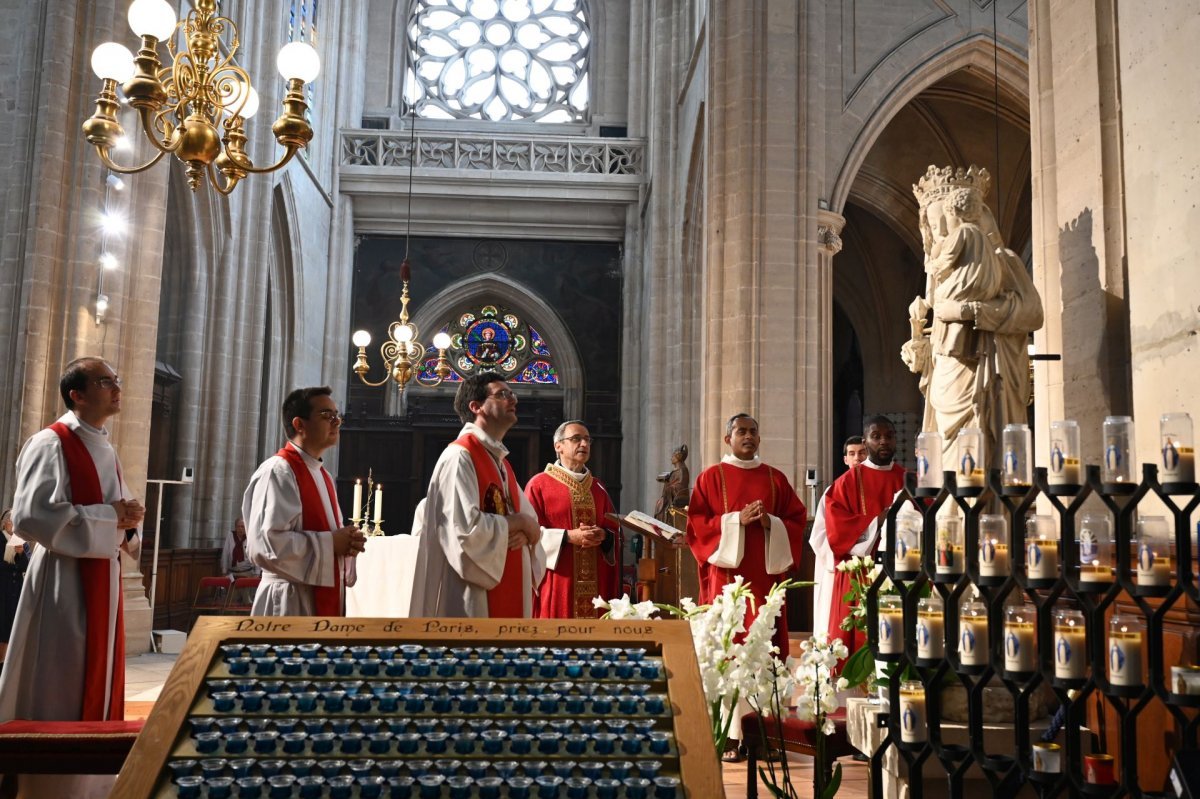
x=931, y=630
x=891, y=625
x=1070, y=645
x=1041, y=549
x=993, y=545
x=973, y=634
x=1153, y=551
x=1095, y=542
x=378, y=503
x=357, y=500
x=912, y=712
x=1065, y=467
x=1020, y=638
x=1178, y=463
x=1124, y=651
x=1017, y=442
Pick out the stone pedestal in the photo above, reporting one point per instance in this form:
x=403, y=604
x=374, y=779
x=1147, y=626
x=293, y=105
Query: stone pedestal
x=138, y=616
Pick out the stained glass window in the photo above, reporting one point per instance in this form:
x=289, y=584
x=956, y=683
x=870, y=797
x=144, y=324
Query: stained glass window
x=499, y=60
x=493, y=339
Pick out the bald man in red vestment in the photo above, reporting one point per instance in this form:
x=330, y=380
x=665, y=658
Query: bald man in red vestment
x=854, y=506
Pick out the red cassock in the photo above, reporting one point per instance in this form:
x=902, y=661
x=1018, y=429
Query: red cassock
x=855, y=499
x=577, y=575
x=725, y=489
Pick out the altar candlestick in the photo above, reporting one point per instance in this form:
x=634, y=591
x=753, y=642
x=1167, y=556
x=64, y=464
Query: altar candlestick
x=357, y=500
x=378, y=503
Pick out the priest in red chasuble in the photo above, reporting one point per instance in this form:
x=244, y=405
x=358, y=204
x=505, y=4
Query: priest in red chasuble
x=581, y=545
x=745, y=518
x=854, y=508
x=294, y=529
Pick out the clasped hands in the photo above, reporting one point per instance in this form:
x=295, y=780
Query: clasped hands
x=130, y=513
x=348, y=541
x=586, y=536
x=523, y=531
x=756, y=511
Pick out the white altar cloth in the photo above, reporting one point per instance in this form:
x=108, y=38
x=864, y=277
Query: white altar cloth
x=385, y=577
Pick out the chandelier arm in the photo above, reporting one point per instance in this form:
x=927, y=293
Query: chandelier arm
x=387, y=376
x=262, y=170
x=127, y=170
x=150, y=117
x=231, y=181
x=428, y=382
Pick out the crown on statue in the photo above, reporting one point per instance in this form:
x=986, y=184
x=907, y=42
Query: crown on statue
x=940, y=181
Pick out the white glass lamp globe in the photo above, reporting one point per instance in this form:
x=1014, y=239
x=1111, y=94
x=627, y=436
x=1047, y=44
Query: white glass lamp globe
x=442, y=341
x=299, y=61
x=361, y=338
x=152, y=18
x=250, y=107
x=112, y=61
x=404, y=333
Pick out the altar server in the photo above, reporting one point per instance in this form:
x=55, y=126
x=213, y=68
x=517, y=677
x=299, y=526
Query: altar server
x=478, y=552
x=581, y=545
x=66, y=657
x=293, y=523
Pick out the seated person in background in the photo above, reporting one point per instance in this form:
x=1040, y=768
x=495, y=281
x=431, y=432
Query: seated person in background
x=234, y=560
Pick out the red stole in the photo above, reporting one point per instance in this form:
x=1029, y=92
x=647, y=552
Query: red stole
x=327, y=600
x=96, y=577
x=507, y=599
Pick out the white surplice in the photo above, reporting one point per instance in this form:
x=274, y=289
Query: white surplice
x=463, y=550
x=293, y=560
x=43, y=673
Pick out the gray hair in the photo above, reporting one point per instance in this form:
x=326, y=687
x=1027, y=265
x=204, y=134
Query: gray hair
x=561, y=431
x=733, y=420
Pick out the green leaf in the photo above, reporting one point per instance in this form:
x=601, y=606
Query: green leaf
x=859, y=667
x=834, y=783
x=774, y=790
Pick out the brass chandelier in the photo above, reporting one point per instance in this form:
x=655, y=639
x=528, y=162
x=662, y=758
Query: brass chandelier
x=403, y=355
x=196, y=108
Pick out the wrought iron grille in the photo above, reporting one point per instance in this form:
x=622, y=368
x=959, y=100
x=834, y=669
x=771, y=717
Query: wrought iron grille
x=1009, y=770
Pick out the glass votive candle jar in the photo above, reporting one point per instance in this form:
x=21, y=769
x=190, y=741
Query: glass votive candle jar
x=1118, y=446
x=1070, y=645
x=189, y=787
x=929, y=460
x=1178, y=456
x=912, y=712
x=969, y=470
x=1041, y=548
x=1126, y=639
x=1066, y=466
x=909, y=523
x=949, y=545
x=931, y=630
x=1095, y=550
x=891, y=625
x=993, y=545
x=1017, y=465
x=1153, y=552
x=291, y=666
x=1020, y=638
x=1047, y=757
x=1185, y=680
x=973, y=634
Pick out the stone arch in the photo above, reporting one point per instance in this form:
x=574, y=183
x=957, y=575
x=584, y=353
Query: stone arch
x=976, y=54
x=501, y=290
x=283, y=297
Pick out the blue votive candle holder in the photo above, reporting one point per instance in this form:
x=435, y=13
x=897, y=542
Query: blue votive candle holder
x=311, y=787
x=312, y=726
x=420, y=668
x=431, y=785
x=302, y=767
x=371, y=787
x=624, y=669
x=220, y=788
x=637, y=788
x=207, y=742
x=522, y=704
x=548, y=703
x=493, y=741
x=666, y=787
x=394, y=667
x=270, y=768
x=389, y=768
x=576, y=743
x=281, y=786
x=407, y=742
x=414, y=703
x=213, y=767
x=655, y=704
x=361, y=767
x=441, y=703
x=250, y=787
x=306, y=701
x=468, y=703
x=601, y=705
x=343, y=667
x=506, y=768
x=603, y=743
x=341, y=787
x=447, y=667
x=547, y=786
x=240, y=665
x=352, y=742
x=523, y=667
x=660, y=742
x=411, y=650
x=619, y=769
x=574, y=668
x=223, y=701
x=291, y=666
x=599, y=669
x=335, y=652
x=519, y=787
x=577, y=787
x=489, y=787
x=606, y=788
x=318, y=667
x=627, y=704
x=322, y=742
x=649, y=671
x=464, y=743
x=649, y=768
x=361, y=703
x=592, y=769
x=279, y=703
x=460, y=787
x=631, y=743
x=477, y=769
x=265, y=665
x=520, y=743
x=379, y=743
x=369, y=668
x=563, y=768
x=331, y=768
x=573, y=703
x=549, y=742
x=265, y=742
x=389, y=702
x=435, y=742
x=334, y=701
x=308, y=651
x=401, y=787
x=182, y=768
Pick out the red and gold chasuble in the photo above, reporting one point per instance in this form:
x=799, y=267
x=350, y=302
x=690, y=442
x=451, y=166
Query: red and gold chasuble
x=507, y=599
x=563, y=596
x=96, y=577
x=327, y=600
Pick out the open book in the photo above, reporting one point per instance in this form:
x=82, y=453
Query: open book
x=644, y=523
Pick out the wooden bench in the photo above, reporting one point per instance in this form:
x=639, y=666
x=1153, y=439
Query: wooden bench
x=63, y=747
x=797, y=736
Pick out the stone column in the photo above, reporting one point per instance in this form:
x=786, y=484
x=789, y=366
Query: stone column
x=829, y=244
x=1079, y=223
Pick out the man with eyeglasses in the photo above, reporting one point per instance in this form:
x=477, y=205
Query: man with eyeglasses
x=854, y=452
x=478, y=552
x=294, y=529
x=581, y=545
x=66, y=656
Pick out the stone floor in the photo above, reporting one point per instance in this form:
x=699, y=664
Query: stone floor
x=145, y=675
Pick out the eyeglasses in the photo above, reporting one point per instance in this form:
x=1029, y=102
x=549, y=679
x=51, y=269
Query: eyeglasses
x=333, y=417
x=578, y=439
x=503, y=394
x=108, y=382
